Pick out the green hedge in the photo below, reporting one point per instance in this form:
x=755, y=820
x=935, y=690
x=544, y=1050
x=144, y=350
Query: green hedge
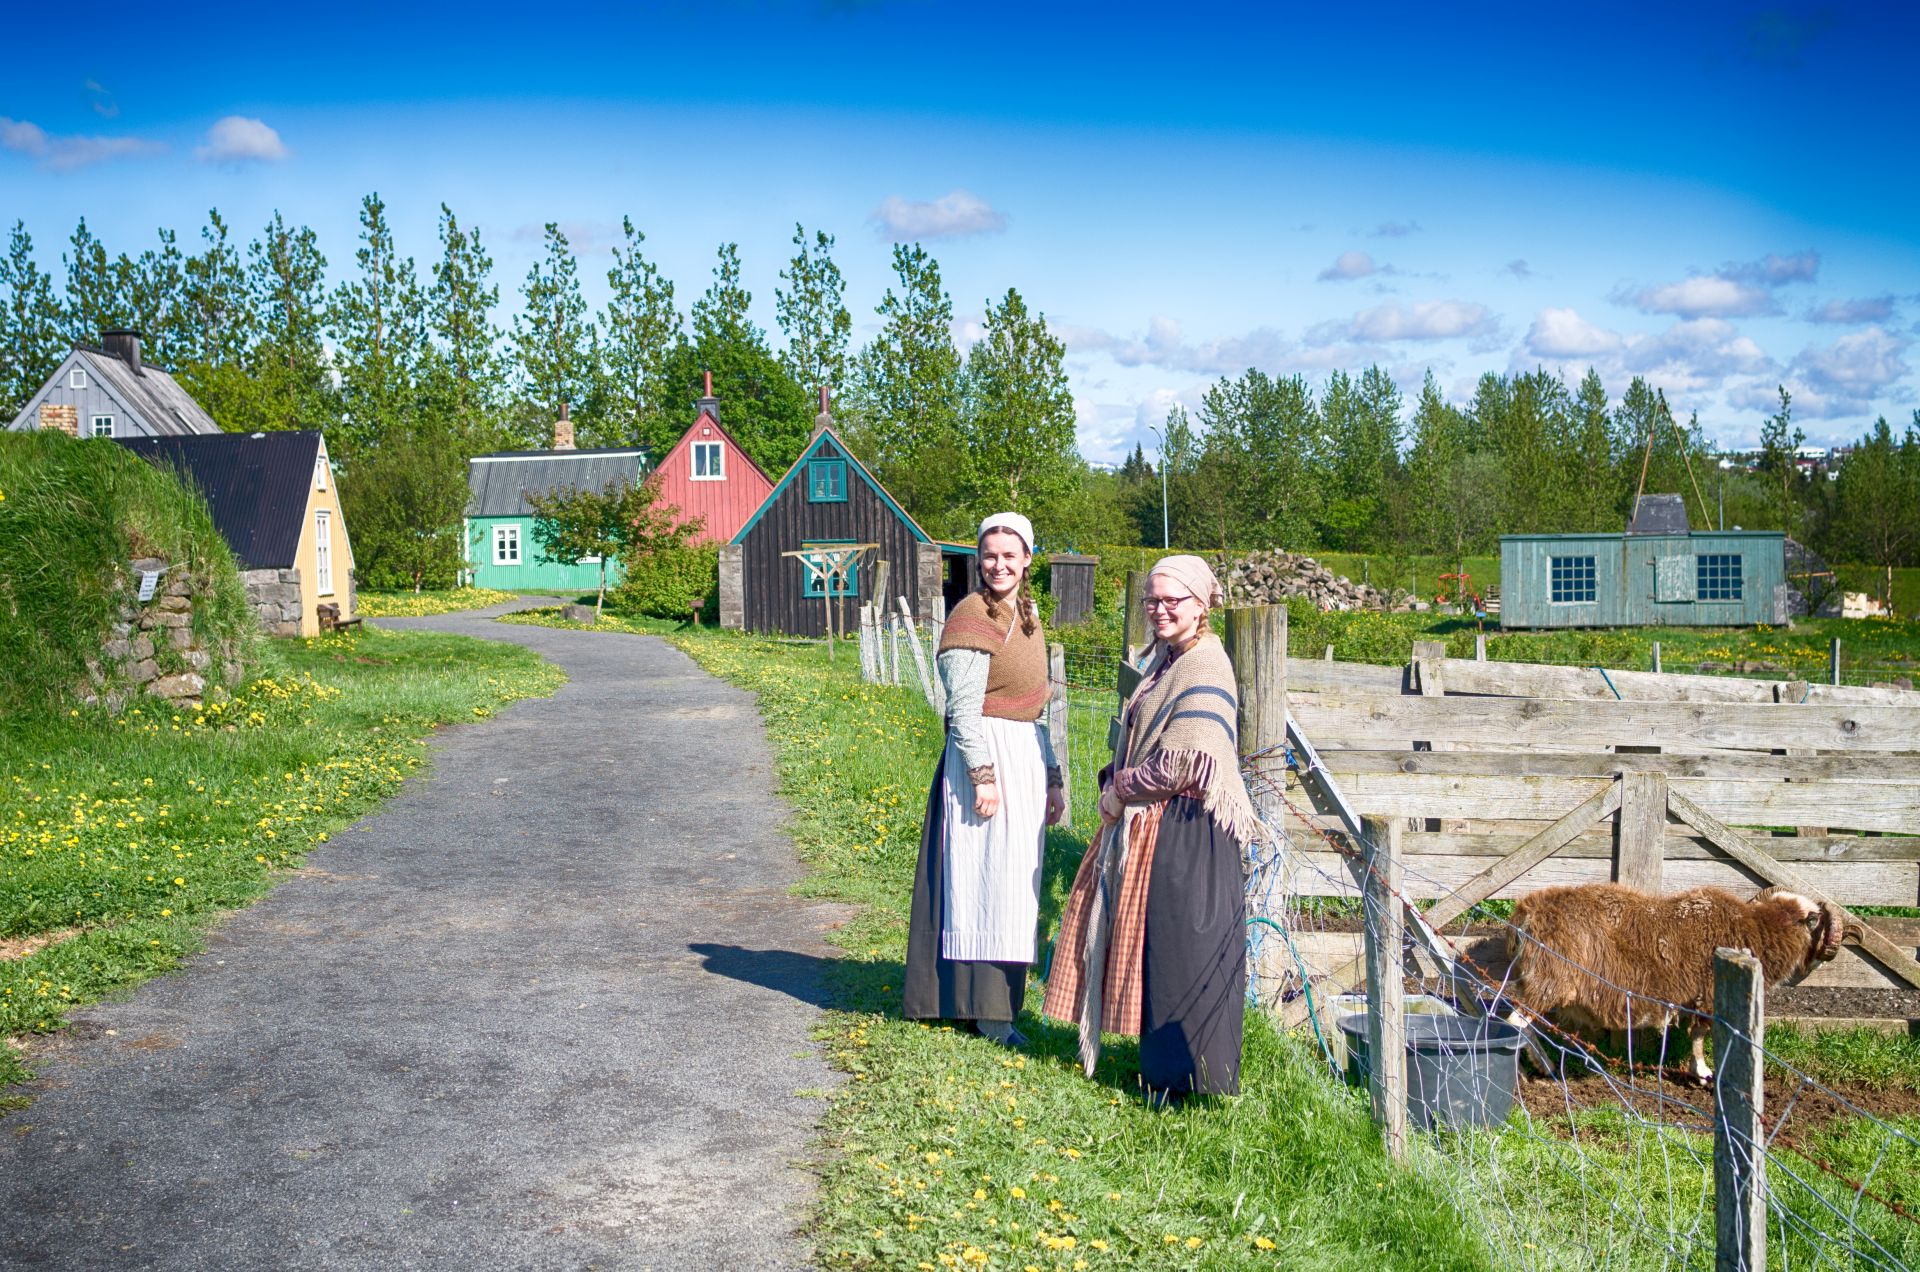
x=667, y=583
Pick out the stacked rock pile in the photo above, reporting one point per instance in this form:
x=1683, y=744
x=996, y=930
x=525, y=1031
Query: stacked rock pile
x=1267, y=576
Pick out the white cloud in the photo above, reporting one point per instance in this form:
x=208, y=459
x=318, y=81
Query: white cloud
x=1351, y=265
x=953, y=215
x=236, y=139
x=1774, y=269
x=1563, y=333
x=1851, y=312
x=1737, y=289
x=63, y=154
x=1422, y=320
x=1165, y=346
x=1858, y=364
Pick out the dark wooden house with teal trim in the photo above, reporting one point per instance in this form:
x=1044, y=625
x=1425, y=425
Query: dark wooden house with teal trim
x=828, y=498
x=1657, y=574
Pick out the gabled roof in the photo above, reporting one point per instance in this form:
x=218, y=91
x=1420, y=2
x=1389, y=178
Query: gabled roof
x=712, y=421
x=1659, y=514
x=256, y=486
x=822, y=434
x=167, y=409
x=498, y=484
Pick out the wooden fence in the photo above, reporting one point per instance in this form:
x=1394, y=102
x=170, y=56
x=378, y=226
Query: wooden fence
x=1508, y=777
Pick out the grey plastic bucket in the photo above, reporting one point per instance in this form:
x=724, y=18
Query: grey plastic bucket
x=1461, y=1070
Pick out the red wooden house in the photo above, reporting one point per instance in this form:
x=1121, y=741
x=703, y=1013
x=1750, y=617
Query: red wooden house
x=707, y=475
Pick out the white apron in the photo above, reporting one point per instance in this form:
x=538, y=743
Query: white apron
x=991, y=866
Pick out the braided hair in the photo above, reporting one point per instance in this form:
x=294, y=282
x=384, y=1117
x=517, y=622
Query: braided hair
x=1025, y=605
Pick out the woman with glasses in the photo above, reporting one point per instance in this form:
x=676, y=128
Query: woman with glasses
x=976, y=894
x=1153, y=937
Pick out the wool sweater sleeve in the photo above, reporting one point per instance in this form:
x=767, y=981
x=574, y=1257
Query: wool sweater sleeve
x=964, y=673
x=1164, y=775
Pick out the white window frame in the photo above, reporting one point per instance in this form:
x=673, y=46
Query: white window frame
x=504, y=536
x=93, y=428
x=719, y=466
x=320, y=473
x=323, y=551
x=77, y=378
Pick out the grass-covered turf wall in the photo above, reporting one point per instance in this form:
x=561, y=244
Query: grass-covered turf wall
x=121, y=837
x=72, y=515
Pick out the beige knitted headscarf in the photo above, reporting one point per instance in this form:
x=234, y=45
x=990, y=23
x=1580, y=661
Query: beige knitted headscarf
x=1193, y=574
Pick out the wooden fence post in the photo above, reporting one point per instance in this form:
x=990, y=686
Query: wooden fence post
x=1133, y=623
x=1057, y=720
x=1480, y=647
x=1656, y=656
x=1739, y=1140
x=1329, y=653
x=893, y=647
x=1386, y=986
x=1257, y=644
x=936, y=697
x=1640, y=832
x=1833, y=662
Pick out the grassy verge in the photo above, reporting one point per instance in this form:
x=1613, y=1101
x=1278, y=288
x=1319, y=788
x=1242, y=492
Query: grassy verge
x=125, y=835
x=951, y=1153
x=423, y=604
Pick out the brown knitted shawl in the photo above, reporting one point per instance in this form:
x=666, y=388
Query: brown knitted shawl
x=1017, y=672
x=1193, y=706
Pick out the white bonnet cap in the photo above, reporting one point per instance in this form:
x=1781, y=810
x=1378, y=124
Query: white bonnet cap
x=1008, y=521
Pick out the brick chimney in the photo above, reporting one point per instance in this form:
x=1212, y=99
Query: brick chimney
x=823, y=421
x=563, y=431
x=124, y=345
x=709, y=405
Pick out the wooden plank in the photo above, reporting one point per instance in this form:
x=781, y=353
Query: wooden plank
x=1058, y=719
x=1889, y=954
x=1557, y=724
x=1739, y=767
x=1680, y=846
x=1882, y=806
x=1386, y=986
x=1640, y=832
x=1739, y=1140
x=1542, y=680
x=1317, y=675
x=1428, y=877
x=1602, y=803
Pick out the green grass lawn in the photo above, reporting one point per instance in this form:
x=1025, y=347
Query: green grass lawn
x=947, y=1152
x=125, y=835
x=422, y=604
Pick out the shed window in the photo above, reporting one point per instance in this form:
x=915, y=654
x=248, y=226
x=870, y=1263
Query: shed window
x=76, y=379
x=1570, y=579
x=103, y=426
x=1719, y=576
x=323, y=552
x=816, y=581
x=827, y=481
x=506, y=545
x=709, y=460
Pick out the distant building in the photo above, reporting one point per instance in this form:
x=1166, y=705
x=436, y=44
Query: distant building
x=110, y=391
x=500, y=551
x=1658, y=574
x=273, y=499
x=828, y=499
x=705, y=474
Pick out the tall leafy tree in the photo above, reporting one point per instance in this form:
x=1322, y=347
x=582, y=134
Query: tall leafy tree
x=641, y=327
x=552, y=335
x=219, y=303
x=95, y=301
x=288, y=276
x=405, y=499
x=905, y=394
x=378, y=320
x=156, y=292
x=1595, y=495
x=460, y=301
x=1360, y=422
x=1780, y=440
x=32, y=342
x=1878, y=501
x=1264, y=454
x=1019, y=423
x=1452, y=480
x=812, y=312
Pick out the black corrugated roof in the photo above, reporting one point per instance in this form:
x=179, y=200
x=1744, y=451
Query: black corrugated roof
x=1659, y=514
x=256, y=486
x=498, y=484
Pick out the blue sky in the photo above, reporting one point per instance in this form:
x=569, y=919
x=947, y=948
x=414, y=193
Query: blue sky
x=1719, y=197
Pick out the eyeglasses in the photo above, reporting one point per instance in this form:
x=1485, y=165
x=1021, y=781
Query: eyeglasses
x=1169, y=603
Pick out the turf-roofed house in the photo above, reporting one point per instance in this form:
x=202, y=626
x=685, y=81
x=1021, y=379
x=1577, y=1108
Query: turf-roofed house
x=273, y=499
x=829, y=500
x=501, y=551
x=110, y=390
x=706, y=475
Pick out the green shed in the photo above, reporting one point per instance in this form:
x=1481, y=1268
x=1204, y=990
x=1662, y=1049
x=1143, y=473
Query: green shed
x=1656, y=578
x=500, y=548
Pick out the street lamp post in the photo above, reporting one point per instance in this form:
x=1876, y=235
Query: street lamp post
x=1165, y=538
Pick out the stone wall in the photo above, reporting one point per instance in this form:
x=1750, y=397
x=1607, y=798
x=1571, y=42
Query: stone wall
x=733, y=600
x=63, y=417
x=152, y=648
x=275, y=597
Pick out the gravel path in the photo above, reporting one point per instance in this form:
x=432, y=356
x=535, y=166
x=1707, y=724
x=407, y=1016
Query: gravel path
x=514, y=1019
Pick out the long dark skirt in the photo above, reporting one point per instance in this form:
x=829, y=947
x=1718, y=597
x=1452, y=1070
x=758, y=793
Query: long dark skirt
x=1195, y=977
x=941, y=988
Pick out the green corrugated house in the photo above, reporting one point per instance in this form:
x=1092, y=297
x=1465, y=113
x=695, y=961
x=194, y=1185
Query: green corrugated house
x=1658, y=574
x=500, y=548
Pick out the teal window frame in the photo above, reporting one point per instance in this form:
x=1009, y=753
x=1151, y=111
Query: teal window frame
x=814, y=583
x=827, y=481
x=1717, y=577
x=1572, y=580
